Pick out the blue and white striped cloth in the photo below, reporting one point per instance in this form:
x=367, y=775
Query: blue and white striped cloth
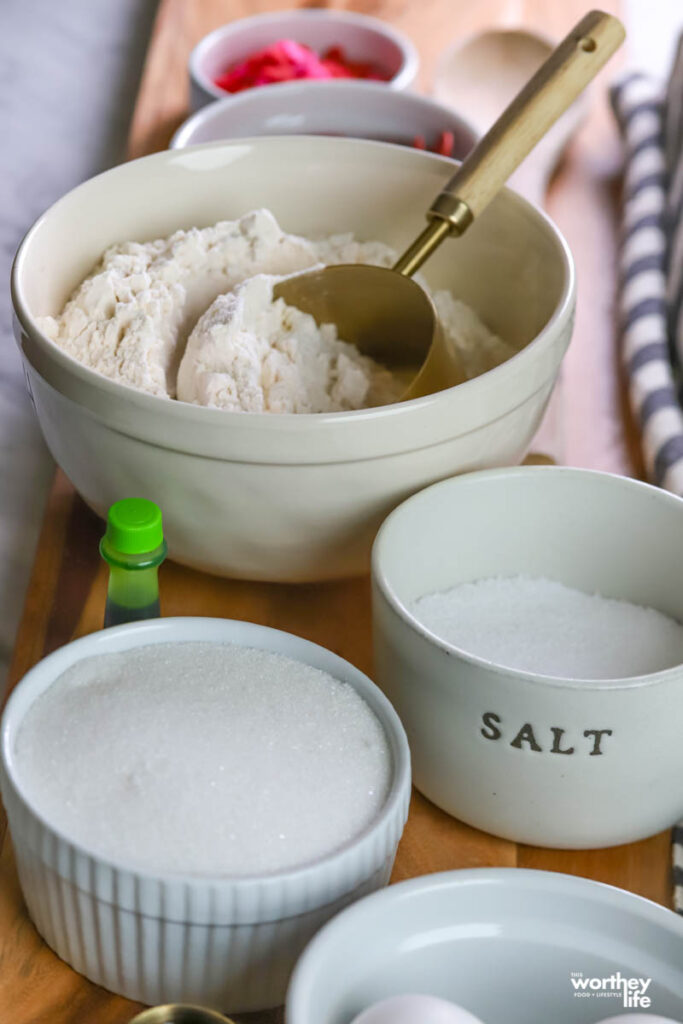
x=650, y=116
x=651, y=295
x=678, y=868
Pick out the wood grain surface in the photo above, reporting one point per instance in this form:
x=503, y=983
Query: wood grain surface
x=587, y=426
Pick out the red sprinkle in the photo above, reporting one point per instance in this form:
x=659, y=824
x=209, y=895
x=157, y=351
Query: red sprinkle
x=445, y=144
x=286, y=61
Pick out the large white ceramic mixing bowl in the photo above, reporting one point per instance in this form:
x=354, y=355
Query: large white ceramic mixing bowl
x=287, y=497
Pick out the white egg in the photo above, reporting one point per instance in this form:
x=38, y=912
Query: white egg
x=415, y=1009
x=637, y=1018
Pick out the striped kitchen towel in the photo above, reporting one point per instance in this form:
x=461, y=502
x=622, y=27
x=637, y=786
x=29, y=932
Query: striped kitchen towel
x=648, y=343
x=678, y=868
x=651, y=285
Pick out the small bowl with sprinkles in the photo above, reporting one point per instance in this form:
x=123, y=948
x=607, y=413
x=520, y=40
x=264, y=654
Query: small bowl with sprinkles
x=355, y=109
x=528, y=629
x=282, y=46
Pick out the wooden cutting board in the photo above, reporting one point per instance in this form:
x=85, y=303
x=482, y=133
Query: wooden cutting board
x=589, y=428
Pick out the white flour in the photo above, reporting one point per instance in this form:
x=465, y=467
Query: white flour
x=251, y=354
x=191, y=316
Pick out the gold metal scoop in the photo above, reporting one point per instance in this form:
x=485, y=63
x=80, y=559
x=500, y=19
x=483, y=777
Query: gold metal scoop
x=383, y=312
x=176, y=1013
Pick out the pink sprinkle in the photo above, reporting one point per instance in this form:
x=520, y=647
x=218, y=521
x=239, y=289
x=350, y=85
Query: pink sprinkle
x=285, y=61
x=445, y=144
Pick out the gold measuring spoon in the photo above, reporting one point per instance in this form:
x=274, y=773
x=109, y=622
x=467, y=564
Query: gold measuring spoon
x=177, y=1013
x=388, y=316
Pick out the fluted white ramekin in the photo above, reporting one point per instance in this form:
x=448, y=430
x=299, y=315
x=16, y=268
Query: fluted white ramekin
x=226, y=943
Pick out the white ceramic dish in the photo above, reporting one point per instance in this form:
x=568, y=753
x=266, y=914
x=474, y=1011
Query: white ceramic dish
x=226, y=943
x=362, y=38
x=610, y=760
x=365, y=110
x=278, y=497
x=502, y=942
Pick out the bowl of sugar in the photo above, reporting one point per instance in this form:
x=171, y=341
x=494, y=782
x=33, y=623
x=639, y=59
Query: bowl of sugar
x=191, y=799
x=527, y=628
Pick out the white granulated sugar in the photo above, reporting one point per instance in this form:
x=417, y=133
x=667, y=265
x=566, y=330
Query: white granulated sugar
x=539, y=625
x=204, y=759
x=131, y=319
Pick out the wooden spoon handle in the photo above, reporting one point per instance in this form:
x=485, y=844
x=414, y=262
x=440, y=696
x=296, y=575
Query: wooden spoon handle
x=554, y=87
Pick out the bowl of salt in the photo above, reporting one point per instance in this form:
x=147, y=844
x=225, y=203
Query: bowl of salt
x=527, y=627
x=191, y=799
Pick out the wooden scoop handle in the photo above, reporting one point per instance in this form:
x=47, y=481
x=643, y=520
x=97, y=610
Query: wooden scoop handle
x=554, y=87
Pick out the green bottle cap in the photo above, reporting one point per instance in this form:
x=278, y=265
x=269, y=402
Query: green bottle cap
x=134, y=526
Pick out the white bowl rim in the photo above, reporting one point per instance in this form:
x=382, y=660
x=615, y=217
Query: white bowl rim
x=380, y=574
x=342, y=85
x=292, y=422
x=172, y=625
x=404, y=76
x=523, y=879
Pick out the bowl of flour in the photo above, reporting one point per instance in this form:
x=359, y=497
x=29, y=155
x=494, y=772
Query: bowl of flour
x=192, y=318
x=533, y=646
x=204, y=794
x=159, y=363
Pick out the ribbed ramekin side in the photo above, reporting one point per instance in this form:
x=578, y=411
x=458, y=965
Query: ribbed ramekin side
x=209, y=901
x=234, y=967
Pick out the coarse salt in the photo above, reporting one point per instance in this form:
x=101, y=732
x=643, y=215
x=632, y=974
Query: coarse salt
x=540, y=625
x=204, y=759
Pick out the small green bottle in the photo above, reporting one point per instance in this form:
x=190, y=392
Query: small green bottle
x=134, y=548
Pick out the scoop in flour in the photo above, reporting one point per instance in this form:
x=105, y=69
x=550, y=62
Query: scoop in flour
x=251, y=353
